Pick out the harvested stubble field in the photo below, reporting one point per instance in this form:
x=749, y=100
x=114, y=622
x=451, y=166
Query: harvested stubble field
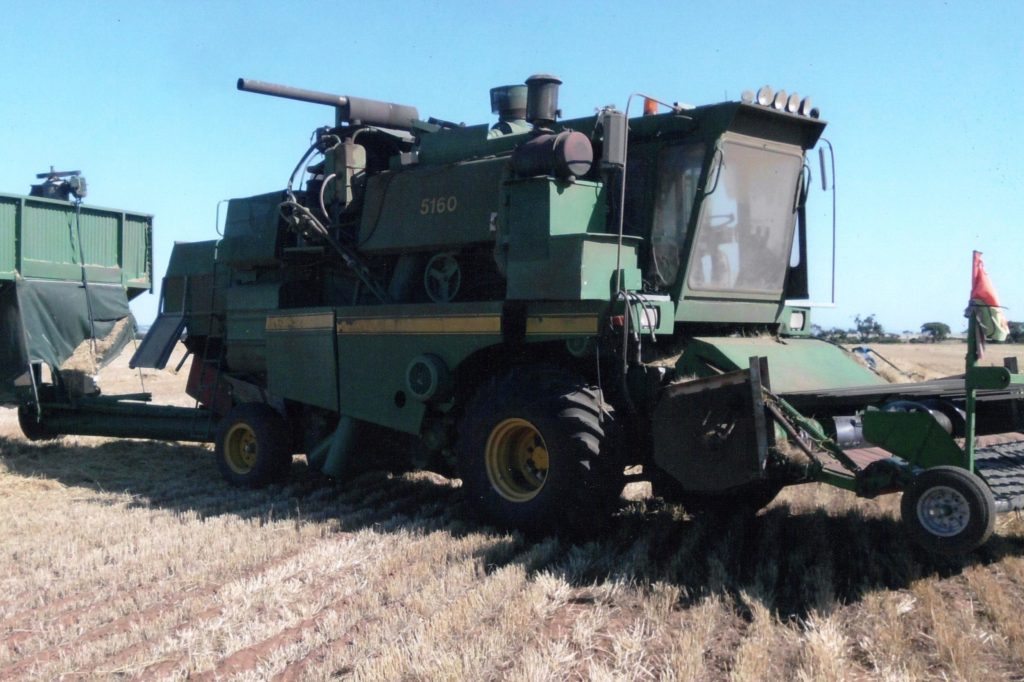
x=126, y=559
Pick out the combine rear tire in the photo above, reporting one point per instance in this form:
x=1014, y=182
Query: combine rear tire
x=536, y=453
x=252, y=446
x=948, y=510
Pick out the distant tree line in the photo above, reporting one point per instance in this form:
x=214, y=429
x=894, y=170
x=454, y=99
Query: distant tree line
x=868, y=329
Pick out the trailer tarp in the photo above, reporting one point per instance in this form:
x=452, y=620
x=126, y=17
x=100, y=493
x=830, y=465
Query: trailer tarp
x=46, y=322
x=13, y=360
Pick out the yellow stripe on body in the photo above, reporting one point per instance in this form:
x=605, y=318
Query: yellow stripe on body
x=482, y=324
x=287, y=323
x=562, y=324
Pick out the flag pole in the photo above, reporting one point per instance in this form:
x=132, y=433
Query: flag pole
x=972, y=361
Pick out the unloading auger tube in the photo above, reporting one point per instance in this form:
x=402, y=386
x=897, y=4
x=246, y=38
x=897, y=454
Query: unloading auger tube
x=352, y=109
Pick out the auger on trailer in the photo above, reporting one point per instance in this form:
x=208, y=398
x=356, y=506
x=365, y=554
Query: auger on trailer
x=540, y=305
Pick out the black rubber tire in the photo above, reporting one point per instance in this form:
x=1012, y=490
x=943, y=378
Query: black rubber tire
x=252, y=446
x=32, y=429
x=584, y=475
x=967, y=501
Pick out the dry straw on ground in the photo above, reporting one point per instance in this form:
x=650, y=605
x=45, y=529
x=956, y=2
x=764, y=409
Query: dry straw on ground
x=131, y=559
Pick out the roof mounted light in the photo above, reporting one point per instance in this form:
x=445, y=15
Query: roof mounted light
x=791, y=103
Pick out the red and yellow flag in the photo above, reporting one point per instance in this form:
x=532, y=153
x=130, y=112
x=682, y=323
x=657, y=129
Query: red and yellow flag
x=991, y=322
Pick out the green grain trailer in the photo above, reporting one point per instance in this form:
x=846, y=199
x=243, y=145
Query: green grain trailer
x=67, y=272
x=542, y=304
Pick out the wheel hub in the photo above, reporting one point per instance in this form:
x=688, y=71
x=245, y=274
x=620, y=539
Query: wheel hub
x=517, y=460
x=241, y=448
x=943, y=511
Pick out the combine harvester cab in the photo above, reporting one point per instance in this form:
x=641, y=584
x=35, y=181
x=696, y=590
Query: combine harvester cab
x=541, y=305
x=67, y=272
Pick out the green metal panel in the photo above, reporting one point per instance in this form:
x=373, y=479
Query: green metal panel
x=377, y=343
x=247, y=309
x=39, y=238
x=989, y=377
x=251, y=230
x=794, y=364
x=572, y=267
x=728, y=311
x=430, y=209
x=301, y=357
x=457, y=144
x=136, y=240
x=192, y=259
x=553, y=207
x=8, y=236
x=195, y=263
x=557, y=249
x=914, y=436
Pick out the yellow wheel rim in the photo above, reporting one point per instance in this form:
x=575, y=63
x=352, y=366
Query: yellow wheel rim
x=241, y=449
x=517, y=460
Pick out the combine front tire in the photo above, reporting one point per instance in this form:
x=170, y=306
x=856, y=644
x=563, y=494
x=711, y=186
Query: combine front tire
x=948, y=510
x=536, y=452
x=252, y=446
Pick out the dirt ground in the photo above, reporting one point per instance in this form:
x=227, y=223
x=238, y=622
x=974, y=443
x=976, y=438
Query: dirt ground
x=132, y=559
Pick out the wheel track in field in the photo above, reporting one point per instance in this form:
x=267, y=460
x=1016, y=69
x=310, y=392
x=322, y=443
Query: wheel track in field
x=84, y=599
x=214, y=498
x=363, y=627
x=150, y=613
x=360, y=516
x=168, y=665
x=248, y=659
x=491, y=595
x=86, y=590
x=126, y=622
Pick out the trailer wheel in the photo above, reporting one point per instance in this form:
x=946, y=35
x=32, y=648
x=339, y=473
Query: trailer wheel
x=252, y=446
x=32, y=429
x=536, y=452
x=948, y=510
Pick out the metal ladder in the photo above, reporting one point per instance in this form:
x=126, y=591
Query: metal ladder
x=209, y=358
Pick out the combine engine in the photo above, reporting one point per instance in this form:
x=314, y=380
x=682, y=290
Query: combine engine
x=541, y=304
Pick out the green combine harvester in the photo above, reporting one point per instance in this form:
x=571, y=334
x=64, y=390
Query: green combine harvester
x=538, y=305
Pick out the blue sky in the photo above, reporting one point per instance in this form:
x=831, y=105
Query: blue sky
x=922, y=100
